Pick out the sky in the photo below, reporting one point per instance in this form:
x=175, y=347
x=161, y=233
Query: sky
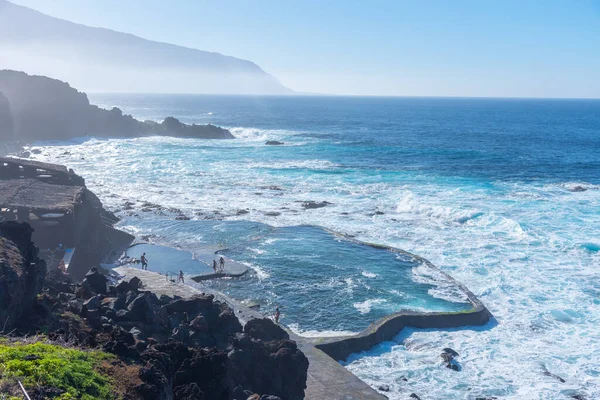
x=525, y=48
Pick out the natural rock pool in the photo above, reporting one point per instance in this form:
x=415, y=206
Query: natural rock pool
x=324, y=284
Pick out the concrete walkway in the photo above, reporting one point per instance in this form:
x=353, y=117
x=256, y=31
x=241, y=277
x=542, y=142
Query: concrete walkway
x=197, y=266
x=232, y=268
x=327, y=379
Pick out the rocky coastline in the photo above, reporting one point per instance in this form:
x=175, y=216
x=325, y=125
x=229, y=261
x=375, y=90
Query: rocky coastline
x=178, y=348
x=34, y=108
x=159, y=347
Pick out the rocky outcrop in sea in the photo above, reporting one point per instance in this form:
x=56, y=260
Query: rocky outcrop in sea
x=41, y=108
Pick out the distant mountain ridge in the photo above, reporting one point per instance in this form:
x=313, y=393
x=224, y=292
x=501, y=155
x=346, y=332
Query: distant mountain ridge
x=106, y=60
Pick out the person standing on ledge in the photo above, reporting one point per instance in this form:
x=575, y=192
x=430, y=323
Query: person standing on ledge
x=144, y=261
x=222, y=263
x=215, y=265
x=180, y=279
x=277, y=315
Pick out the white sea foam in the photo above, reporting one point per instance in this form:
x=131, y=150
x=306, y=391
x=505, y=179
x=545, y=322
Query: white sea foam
x=527, y=250
x=316, y=334
x=366, y=306
x=368, y=274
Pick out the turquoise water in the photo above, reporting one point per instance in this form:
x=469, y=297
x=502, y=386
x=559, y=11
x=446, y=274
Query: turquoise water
x=503, y=194
x=320, y=282
x=168, y=260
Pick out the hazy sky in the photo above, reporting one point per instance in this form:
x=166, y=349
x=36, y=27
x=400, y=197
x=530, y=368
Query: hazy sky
x=545, y=48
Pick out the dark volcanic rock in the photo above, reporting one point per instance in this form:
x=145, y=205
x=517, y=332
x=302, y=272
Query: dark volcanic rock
x=265, y=329
x=96, y=281
x=578, y=189
x=273, y=143
x=22, y=274
x=384, y=388
x=172, y=127
x=313, y=204
x=48, y=109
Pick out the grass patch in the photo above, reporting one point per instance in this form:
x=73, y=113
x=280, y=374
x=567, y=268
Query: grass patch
x=73, y=371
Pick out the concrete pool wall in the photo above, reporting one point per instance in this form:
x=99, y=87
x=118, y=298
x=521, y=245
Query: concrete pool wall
x=386, y=328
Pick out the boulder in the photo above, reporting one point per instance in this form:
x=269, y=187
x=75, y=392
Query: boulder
x=142, y=307
x=93, y=303
x=265, y=329
x=314, y=204
x=192, y=305
x=135, y=283
x=274, y=143
x=96, y=281
x=122, y=287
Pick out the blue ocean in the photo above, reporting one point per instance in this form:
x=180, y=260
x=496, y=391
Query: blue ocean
x=502, y=194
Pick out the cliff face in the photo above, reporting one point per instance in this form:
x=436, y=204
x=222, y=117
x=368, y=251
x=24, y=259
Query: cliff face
x=6, y=124
x=48, y=109
x=22, y=273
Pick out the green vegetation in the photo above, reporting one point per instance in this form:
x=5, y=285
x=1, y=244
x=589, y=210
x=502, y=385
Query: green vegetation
x=71, y=370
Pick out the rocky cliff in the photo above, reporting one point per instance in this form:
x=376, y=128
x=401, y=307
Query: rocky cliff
x=174, y=348
x=22, y=274
x=42, y=108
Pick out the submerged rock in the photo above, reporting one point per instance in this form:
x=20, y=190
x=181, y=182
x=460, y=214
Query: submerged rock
x=274, y=143
x=384, y=388
x=314, y=204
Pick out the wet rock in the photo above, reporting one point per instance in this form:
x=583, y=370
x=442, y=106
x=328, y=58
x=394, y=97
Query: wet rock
x=314, y=204
x=578, y=189
x=242, y=212
x=414, y=396
x=274, y=143
x=265, y=329
x=449, y=355
x=550, y=374
x=384, y=388
x=272, y=214
x=271, y=187
x=182, y=218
